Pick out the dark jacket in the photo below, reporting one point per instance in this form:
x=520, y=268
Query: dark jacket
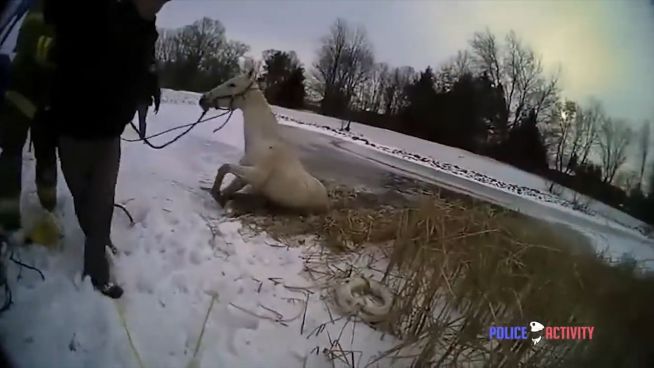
x=104, y=54
x=31, y=72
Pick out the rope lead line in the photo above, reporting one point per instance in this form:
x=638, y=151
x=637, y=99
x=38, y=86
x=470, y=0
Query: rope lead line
x=214, y=296
x=230, y=110
x=129, y=336
x=146, y=141
x=189, y=127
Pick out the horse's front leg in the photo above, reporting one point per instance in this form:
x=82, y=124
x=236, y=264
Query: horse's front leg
x=227, y=193
x=218, y=181
x=244, y=175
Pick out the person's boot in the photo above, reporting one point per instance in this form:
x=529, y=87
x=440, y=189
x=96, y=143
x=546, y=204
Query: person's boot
x=111, y=290
x=108, y=288
x=46, y=182
x=96, y=266
x=112, y=248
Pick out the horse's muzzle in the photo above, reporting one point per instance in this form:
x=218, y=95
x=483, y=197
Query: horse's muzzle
x=205, y=103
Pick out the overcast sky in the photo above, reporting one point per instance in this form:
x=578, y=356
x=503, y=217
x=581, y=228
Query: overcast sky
x=605, y=47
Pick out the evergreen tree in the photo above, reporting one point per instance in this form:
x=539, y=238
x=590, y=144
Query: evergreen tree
x=420, y=111
x=283, y=79
x=524, y=147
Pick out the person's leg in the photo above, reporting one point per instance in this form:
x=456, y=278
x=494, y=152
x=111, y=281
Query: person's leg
x=76, y=167
x=13, y=134
x=45, y=146
x=101, y=205
x=91, y=170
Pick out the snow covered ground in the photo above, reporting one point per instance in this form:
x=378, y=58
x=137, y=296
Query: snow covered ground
x=170, y=266
x=183, y=251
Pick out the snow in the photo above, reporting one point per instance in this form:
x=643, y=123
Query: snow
x=170, y=265
x=182, y=251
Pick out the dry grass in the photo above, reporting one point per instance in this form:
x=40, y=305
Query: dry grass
x=355, y=218
x=459, y=266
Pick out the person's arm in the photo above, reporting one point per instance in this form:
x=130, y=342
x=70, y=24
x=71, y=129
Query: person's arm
x=155, y=88
x=152, y=77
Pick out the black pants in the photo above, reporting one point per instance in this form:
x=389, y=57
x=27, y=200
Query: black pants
x=13, y=135
x=90, y=168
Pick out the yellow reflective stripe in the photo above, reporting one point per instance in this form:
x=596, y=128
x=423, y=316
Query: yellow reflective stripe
x=48, y=43
x=22, y=103
x=39, y=43
x=42, y=49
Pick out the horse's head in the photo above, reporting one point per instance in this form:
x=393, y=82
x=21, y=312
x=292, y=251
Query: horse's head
x=232, y=93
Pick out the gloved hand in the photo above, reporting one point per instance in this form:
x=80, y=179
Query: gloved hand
x=156, y=98
x=153, y=89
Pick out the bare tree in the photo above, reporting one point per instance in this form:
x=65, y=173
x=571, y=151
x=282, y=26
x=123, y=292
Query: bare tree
x=358, y=61
x=200, y=40
x=643, y=151
x=344, y=60
x=487, y=55
x=462, y=62
x=562, y=129
x=591, y=119
x=370, y=93
x=517, y=69
x=394, y=94
x=197, y=56
x=614, y=137
x=584, y=134
x=223, y=64
x=450, y=72
x=572, y=133
x=627, y=180
x=166, y=46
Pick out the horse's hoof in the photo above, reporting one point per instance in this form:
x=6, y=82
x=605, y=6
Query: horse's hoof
x=221, y=199
x=217, y=197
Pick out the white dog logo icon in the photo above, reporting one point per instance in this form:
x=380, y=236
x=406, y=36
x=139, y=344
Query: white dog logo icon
x=536, y=327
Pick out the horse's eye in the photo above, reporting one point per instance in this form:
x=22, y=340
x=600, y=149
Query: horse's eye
x=231, y=85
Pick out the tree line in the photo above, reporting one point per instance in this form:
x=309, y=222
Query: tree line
x=493, y=98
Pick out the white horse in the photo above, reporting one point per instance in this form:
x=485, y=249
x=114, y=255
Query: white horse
x=270, y=166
